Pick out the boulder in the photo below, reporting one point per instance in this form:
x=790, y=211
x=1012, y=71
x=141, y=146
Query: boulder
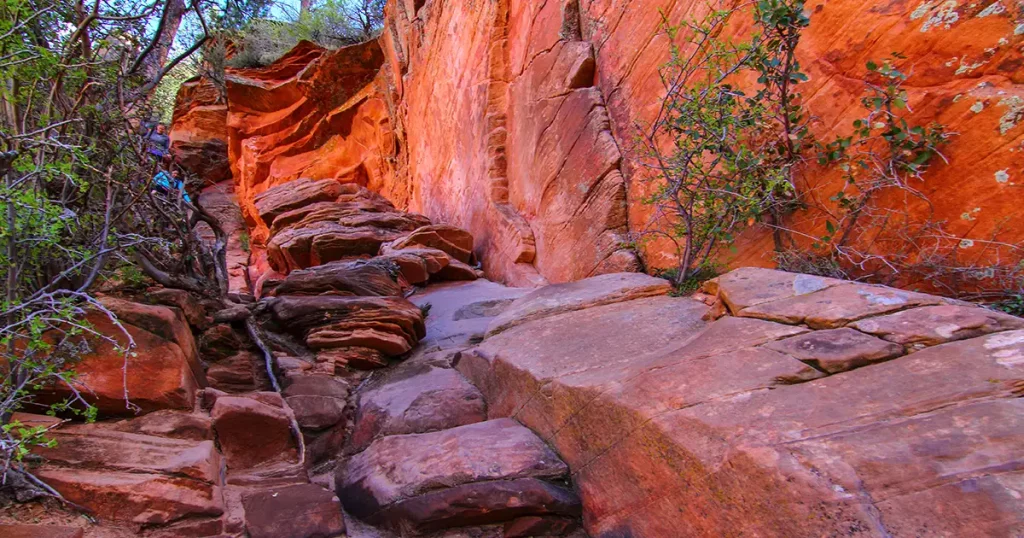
x=414, y=398
x=487, y=472
x=297, y=511
x=167, y=323
x=316, y=412
x=251, y=432
x=363, y=278
x=155, y=375
x=453, y=241
x=590, y=292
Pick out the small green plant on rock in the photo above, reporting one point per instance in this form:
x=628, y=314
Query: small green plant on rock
x=884, y=153
x=721, y=157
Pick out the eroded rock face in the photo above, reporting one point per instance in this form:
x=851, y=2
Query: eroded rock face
x=199, y=135
x=312, y=114
x=528, y=147
x=794, y=422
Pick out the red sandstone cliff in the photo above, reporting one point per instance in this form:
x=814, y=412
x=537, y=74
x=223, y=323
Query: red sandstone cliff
x=515, y=119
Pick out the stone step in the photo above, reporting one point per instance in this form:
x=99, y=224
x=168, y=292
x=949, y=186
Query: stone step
x=484, y=473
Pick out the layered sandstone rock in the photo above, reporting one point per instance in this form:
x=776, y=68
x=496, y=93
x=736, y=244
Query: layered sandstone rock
x=818, y=406
x=199, y=134
x=142, y=479
x=144, y=362
x=312, y=114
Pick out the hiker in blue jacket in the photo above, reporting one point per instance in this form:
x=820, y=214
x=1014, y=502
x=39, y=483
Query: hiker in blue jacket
x=168, y=183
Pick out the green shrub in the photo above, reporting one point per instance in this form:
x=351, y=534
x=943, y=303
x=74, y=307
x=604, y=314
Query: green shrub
x=720, y=157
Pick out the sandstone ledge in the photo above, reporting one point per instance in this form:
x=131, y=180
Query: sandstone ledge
x=677, y=426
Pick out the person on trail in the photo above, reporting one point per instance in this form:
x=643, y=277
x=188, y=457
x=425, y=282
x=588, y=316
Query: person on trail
x=169, y=183
x=158, y=143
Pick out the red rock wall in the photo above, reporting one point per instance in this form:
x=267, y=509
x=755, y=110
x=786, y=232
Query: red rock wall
x=312, y=114
x=506, y=105
x=199, y=130
x=508, y=137
x=515, y=119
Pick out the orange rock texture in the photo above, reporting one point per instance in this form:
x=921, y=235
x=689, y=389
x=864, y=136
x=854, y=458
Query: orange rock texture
x=199, y=130
x=520, y=115
x=517, y=120
x=312, y=114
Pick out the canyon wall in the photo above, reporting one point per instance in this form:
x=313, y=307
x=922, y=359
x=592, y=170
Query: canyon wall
x=520, y=117
x=517, y=120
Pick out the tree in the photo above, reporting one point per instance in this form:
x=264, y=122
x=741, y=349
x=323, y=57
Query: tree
x=721, y=157
x=76, y=196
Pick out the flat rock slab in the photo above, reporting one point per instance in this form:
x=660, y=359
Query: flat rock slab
x=572, y=296
x=298, y=511
x=133, y=477
x=932, y=325
x=92, y=447
x=364, y=278
x=40, y=531
x=398, y=469
x=459, y=312
x=415, y=397
x=751, y=286
x=839, y=305
x=138, y=497
x=837, y=350
x=674, y=426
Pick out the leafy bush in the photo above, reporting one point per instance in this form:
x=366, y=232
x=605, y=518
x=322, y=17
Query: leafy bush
x=722, y=158
x=75, y=196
